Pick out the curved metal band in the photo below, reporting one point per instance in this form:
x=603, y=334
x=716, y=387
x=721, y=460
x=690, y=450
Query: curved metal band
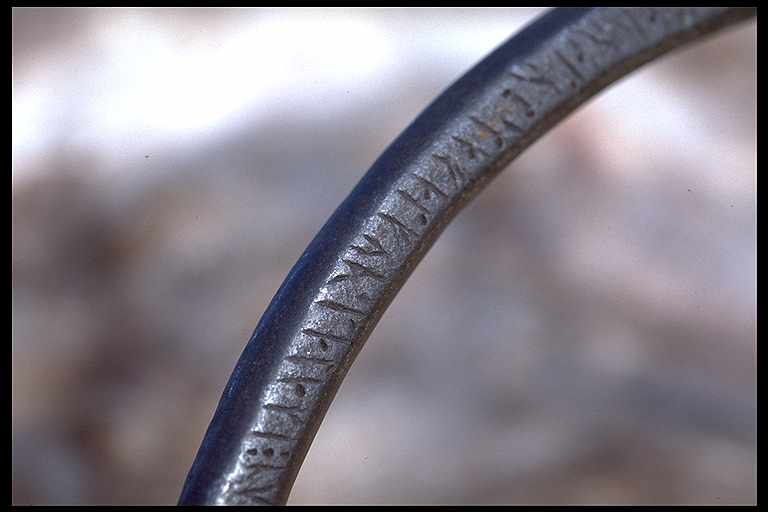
x=333, y=297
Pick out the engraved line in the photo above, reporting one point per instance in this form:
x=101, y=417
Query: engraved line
x=253, y=488
x=252, y=491
x=471, y=146
x=633, y=21
x=377, y=250
x=324, y=335
x=595, y=39
x=540, y=80
x=279, y=407
x=533, y=66
x=510, y=124
x=259, y=499
x=601, y=31
x=407, y=197
x=261, y=465
x=300, y=380
x=366, y=252
x=375, y=243
x=579, y=49
x=338, y=278
x=365, y=270
x=389, y=218
x=430, y=185
x=271, y=435
x=454, y=170
x=338, y=306
x=288, y=411
x=522, y=100
x=581, y=54
x=449, y=163
x=295, y=358
x=573, y=69
x=488, y=128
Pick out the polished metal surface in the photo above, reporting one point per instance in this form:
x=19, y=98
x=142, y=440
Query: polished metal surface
x=335, y=294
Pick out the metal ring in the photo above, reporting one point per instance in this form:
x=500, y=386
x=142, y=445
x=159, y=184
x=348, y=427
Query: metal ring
x=335, y=294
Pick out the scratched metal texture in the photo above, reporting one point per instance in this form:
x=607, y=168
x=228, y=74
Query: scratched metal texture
x=335, y=294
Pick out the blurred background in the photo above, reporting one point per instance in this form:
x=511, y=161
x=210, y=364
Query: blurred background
x=584, y=332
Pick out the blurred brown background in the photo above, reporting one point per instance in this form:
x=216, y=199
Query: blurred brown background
x=585, y=332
